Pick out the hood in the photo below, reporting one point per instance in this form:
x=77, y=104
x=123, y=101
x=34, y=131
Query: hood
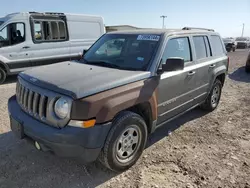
x=80, y=80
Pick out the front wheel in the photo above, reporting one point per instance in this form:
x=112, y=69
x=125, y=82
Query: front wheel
x=247, y=69
x=125, y=142
x=2, y=76
x=213, y=98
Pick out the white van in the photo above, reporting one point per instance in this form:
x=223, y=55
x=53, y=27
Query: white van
x=34, y=39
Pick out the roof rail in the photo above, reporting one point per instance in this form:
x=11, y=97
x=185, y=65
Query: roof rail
x=190, y=28
x=54, y=13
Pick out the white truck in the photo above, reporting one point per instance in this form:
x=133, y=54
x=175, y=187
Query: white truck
x=33, y=39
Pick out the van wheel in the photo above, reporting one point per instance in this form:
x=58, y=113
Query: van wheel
x=125, y=142
x=2, y=75
x=213, y=98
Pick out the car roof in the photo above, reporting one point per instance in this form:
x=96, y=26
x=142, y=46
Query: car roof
x=163, y=31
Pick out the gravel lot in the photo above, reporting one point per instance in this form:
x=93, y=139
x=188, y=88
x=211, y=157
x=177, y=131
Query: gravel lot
x=203, y=150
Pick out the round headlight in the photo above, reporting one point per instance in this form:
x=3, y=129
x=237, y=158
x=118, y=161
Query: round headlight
x=62, y=108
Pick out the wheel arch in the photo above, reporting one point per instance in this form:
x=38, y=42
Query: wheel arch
x=5, y=67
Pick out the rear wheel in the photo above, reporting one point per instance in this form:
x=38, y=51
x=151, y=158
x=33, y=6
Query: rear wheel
x=125, y=142
x=2, y=75
x=213, y=98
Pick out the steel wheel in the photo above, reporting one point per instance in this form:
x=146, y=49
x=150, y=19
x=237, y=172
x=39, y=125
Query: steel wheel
x=127, y=144
x=215, y=96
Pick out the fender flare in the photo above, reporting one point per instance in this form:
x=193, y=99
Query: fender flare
x=218, y=71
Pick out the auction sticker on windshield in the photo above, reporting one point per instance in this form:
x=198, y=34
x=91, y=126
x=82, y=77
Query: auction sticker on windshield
x=148, y=37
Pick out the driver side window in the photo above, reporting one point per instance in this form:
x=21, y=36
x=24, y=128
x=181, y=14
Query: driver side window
x=12, y=34
x=177, y=47
x=3, y=34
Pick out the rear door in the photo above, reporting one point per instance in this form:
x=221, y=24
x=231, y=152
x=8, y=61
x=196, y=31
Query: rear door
x=204, y=64
x=176, y=88
x=210, y=55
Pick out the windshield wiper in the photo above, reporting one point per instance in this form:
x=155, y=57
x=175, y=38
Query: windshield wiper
x=110, y=65
x=103, y=64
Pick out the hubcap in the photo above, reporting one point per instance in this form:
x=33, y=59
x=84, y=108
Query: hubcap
x=215, y=95
x=128, y=144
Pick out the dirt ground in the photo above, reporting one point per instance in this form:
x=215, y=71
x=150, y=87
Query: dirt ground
x=196, y=150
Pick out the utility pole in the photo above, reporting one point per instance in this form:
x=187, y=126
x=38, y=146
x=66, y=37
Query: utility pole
x=243, y=27
x=163, y=19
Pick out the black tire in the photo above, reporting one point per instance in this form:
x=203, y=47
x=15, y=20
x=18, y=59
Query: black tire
x=247, y=69
x=211, y=103
x=228, y=49
x=234, y=49
x=109, y=156
x=2, y=76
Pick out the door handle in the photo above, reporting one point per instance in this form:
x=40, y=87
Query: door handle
x=26, y=47
x=211, y=66
x=191, y=73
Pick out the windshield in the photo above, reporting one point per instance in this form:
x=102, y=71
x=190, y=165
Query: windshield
x=241, y=39
x=123, y=51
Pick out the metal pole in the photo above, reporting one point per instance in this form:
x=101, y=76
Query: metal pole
x=243, y=27
x=163, y=21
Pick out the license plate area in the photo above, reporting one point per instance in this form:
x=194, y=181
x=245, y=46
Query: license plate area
x=17, y=128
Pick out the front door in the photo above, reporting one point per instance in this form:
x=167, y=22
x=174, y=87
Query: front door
x=13, y=47
x=176, y=88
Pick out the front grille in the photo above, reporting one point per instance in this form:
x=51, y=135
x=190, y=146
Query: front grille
x=32, y=102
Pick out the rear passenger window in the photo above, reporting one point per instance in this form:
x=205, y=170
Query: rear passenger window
x=217, y=48
x=54, y=30
x=62, y=30
x=208, y=48
x=49, y=30
x=200, y=47
x=178, y=47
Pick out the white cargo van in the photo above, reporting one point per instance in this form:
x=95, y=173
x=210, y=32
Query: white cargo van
x=35, y=39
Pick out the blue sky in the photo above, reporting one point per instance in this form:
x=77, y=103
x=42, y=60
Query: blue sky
x=225, y=16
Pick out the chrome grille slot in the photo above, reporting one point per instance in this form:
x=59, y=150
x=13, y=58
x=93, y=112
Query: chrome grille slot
x=25, y=103
x=21, y=94
x=36, y=103
x=30, y=100
x=41, y=106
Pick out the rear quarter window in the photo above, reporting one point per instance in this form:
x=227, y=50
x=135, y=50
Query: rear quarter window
x=217, y=46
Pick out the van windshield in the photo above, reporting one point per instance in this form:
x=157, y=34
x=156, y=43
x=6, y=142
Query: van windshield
x=123, y=51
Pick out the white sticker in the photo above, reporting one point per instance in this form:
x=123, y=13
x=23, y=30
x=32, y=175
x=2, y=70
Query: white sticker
x=148, y=37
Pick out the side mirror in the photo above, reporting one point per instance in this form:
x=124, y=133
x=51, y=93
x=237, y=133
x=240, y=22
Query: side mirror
x=173, y=64
x=84, y=52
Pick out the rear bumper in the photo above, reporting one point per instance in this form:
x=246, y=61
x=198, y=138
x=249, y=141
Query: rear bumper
x=66, y=142
x=242, y=45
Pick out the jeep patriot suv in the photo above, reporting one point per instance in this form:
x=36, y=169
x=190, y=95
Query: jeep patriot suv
x=126, y=86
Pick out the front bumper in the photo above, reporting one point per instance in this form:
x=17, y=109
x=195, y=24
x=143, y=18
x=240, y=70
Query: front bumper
x=66, y=142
